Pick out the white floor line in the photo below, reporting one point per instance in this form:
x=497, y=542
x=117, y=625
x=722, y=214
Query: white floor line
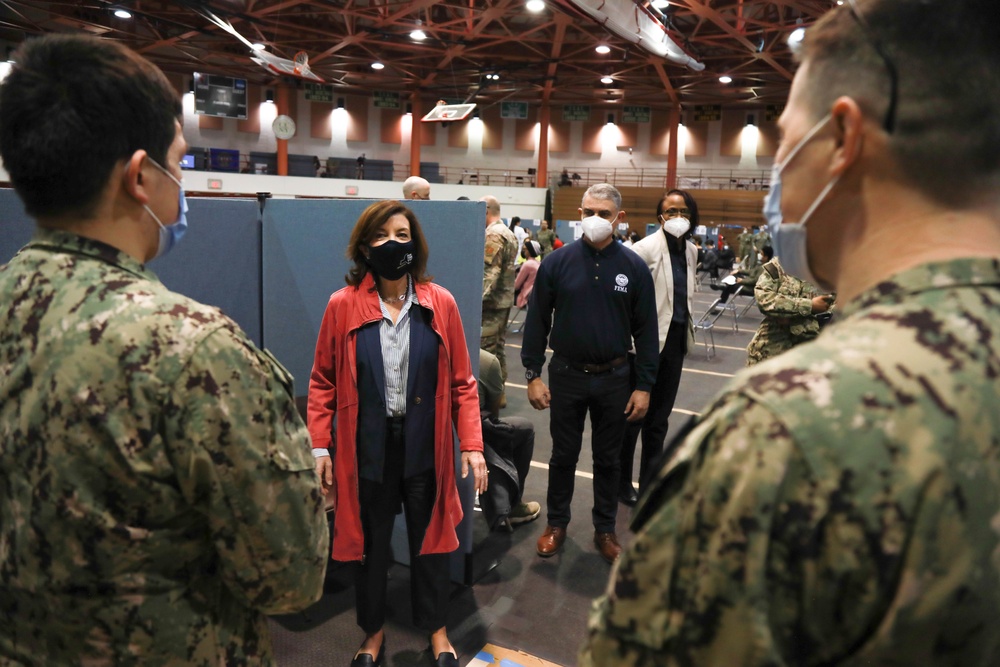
x=695, y=370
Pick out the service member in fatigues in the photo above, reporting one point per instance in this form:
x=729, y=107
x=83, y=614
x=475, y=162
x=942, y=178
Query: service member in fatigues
x=839, y=504
x=790, y=307
x=498, y=283
x=157, y=492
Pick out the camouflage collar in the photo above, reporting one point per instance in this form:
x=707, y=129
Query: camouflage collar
x=60, y=241
x=970, y=272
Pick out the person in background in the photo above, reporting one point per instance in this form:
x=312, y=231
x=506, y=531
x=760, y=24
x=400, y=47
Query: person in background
x=710, y=262
x=745, y=246
x=727, y=258
x=360, y=172
x=837, y=504
x=671, y=259
x=498, y=283
x=546, y=237
x=157, y=498
x=520, y=233
x=564, y=178
x=745, y=278
x=761, y=238
x=591, y=299
x=789, y=307
x=531, y=252
x=509, y=443
x=392, y=368
x=416, y=187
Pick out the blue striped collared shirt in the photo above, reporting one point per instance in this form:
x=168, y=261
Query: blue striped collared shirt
x=395, y=339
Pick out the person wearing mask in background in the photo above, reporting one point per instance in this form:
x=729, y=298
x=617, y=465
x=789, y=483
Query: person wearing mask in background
x=591, y=299
x=392, y=368
x=520, y=233
x=726, y=256
x=789, y=307
x=671, y=258
x=498, y=283
x=710, y=262
x=157, y=498
x=837, y=505
x=745, y=246
x=761, y=238
x=546, y=237
x=747, y=279
x=416, y=187
x=525, y=281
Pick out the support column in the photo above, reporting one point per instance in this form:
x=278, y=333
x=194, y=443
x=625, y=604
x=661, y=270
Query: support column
x=542, y=177
x=282, y=102
x=416, y=133
x=672, y=143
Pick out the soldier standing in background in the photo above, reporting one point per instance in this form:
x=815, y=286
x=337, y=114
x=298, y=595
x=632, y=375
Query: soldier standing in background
x=157, y=493
x=744, y=244
x=498, y=283
x=838, y=505
x=790, y=307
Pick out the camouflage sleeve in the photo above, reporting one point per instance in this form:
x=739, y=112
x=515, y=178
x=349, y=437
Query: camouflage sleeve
x=243, y=460
x=492, y=264
x=775, y=298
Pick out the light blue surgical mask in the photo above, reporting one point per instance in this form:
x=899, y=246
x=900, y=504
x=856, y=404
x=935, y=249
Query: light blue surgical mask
x=789, y=238
x=170, y=234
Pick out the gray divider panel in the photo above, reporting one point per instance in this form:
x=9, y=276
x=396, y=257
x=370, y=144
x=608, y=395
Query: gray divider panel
x=304, y=262
x=218, y=260
x=16, y=227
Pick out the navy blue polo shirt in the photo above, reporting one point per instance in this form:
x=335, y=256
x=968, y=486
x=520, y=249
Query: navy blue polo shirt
x=589, y=305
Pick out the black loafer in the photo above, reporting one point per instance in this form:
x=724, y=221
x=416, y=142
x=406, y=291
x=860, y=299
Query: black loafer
x=627, y=495
x=366, y=659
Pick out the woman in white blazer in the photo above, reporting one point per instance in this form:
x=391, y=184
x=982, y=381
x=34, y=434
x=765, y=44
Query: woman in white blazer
x=672, y=258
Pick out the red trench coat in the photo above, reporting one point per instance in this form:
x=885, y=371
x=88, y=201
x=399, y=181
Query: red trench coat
x=333, y=390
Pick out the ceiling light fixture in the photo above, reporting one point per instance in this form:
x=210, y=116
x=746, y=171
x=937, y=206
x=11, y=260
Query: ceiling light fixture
x=660, y=4
x=535, y=5
x=603, y=49
x=340, y=102
x=123, y=13
x=796, y=37
x=377, y=65
x=611, y=119
x=409, y=109
x=607, y=79
x=417, y=33
x=269, y=97
x=725, y=78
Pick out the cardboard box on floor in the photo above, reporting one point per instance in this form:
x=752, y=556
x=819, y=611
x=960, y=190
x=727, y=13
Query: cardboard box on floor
x=494, y=655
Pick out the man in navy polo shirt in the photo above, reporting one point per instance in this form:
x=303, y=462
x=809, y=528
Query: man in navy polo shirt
x=591, y=299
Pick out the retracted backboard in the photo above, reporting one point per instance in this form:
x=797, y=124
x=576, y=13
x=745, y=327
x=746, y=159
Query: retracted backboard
x=447, y=112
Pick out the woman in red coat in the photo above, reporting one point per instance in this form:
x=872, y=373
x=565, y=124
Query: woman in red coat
x=392, y=366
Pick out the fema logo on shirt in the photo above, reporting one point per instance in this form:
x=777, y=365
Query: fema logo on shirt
x=621, y=281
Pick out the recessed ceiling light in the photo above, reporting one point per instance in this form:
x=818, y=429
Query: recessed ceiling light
x=535, y=5
x=661, y=4
x=725, y=78
x=796, y=37
x=257, y=46
x=378, y=66
x=418, y=35
x=603, y=48
x=607, y=79
x=123, y=13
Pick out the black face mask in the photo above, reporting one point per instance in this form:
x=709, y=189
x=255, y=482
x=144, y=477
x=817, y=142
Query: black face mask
x=391, y=259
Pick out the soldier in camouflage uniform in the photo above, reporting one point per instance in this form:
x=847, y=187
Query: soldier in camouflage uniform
x=157, y=492
x=761, y=238
x=745, y=246
x=840, y=504
x=498, y=282
x=789, y=306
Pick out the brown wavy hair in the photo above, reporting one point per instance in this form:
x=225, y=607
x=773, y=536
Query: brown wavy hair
x=371, y=220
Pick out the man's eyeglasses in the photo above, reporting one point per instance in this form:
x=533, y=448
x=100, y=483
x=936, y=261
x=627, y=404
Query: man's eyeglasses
x=890, y=114
x=674, y=212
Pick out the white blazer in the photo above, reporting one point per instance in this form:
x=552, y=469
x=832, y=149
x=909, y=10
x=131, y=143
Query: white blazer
x=653, y=250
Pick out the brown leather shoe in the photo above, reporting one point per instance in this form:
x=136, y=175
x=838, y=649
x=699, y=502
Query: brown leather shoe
x=607, y=544
x=551, y=541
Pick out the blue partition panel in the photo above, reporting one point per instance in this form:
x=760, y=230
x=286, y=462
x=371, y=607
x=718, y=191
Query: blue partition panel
x=304, y=244
x=218, y=260
x=16, y=227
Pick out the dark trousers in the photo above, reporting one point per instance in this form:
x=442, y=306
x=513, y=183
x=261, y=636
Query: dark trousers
x=661, y=402
x=429, y=582
x=574, y=393
x=522, y=448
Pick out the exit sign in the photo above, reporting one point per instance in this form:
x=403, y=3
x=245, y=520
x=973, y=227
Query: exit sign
x=215, y=184
x=351, y=190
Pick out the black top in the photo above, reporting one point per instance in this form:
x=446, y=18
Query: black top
x=678, y=265
x=602, y=301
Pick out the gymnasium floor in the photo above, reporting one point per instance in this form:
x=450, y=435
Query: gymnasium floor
x=519, y=601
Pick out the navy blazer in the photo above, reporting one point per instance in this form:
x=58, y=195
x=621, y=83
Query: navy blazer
x=421, y=382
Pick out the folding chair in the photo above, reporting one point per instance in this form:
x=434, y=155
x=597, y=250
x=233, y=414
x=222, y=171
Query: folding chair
x=514, y=317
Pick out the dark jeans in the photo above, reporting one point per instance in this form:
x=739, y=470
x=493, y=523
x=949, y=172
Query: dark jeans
x=429, y=581
x=523, y=447
x=574, y=393
x=661, y=402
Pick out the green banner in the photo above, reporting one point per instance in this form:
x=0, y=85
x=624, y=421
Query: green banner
x=707, y=112
x=576, y=112
x=635, y=114
x=517, y=110
x=317, y=92
x=386, y=100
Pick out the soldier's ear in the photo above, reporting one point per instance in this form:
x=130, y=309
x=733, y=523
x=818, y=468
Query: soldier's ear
x=133, y=180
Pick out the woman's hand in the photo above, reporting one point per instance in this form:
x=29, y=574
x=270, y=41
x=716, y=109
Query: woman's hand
x=475, y=461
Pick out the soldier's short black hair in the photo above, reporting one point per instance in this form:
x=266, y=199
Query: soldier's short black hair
x=944, y=131
x=72, y=108
x=768, y=253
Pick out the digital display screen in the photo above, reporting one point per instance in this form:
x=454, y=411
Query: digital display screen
x=220, y=96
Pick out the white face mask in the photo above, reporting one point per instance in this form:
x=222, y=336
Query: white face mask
x=676, y=227
x=596, y=229
x=789, y=238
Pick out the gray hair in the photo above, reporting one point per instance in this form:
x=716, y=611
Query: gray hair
x=606, y=192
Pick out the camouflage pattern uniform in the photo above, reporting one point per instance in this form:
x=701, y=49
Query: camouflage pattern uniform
x=838, y=505
x=746, y=245
x=761, y=239
x=498, y=289
x=786, y=303
x=157, y=488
